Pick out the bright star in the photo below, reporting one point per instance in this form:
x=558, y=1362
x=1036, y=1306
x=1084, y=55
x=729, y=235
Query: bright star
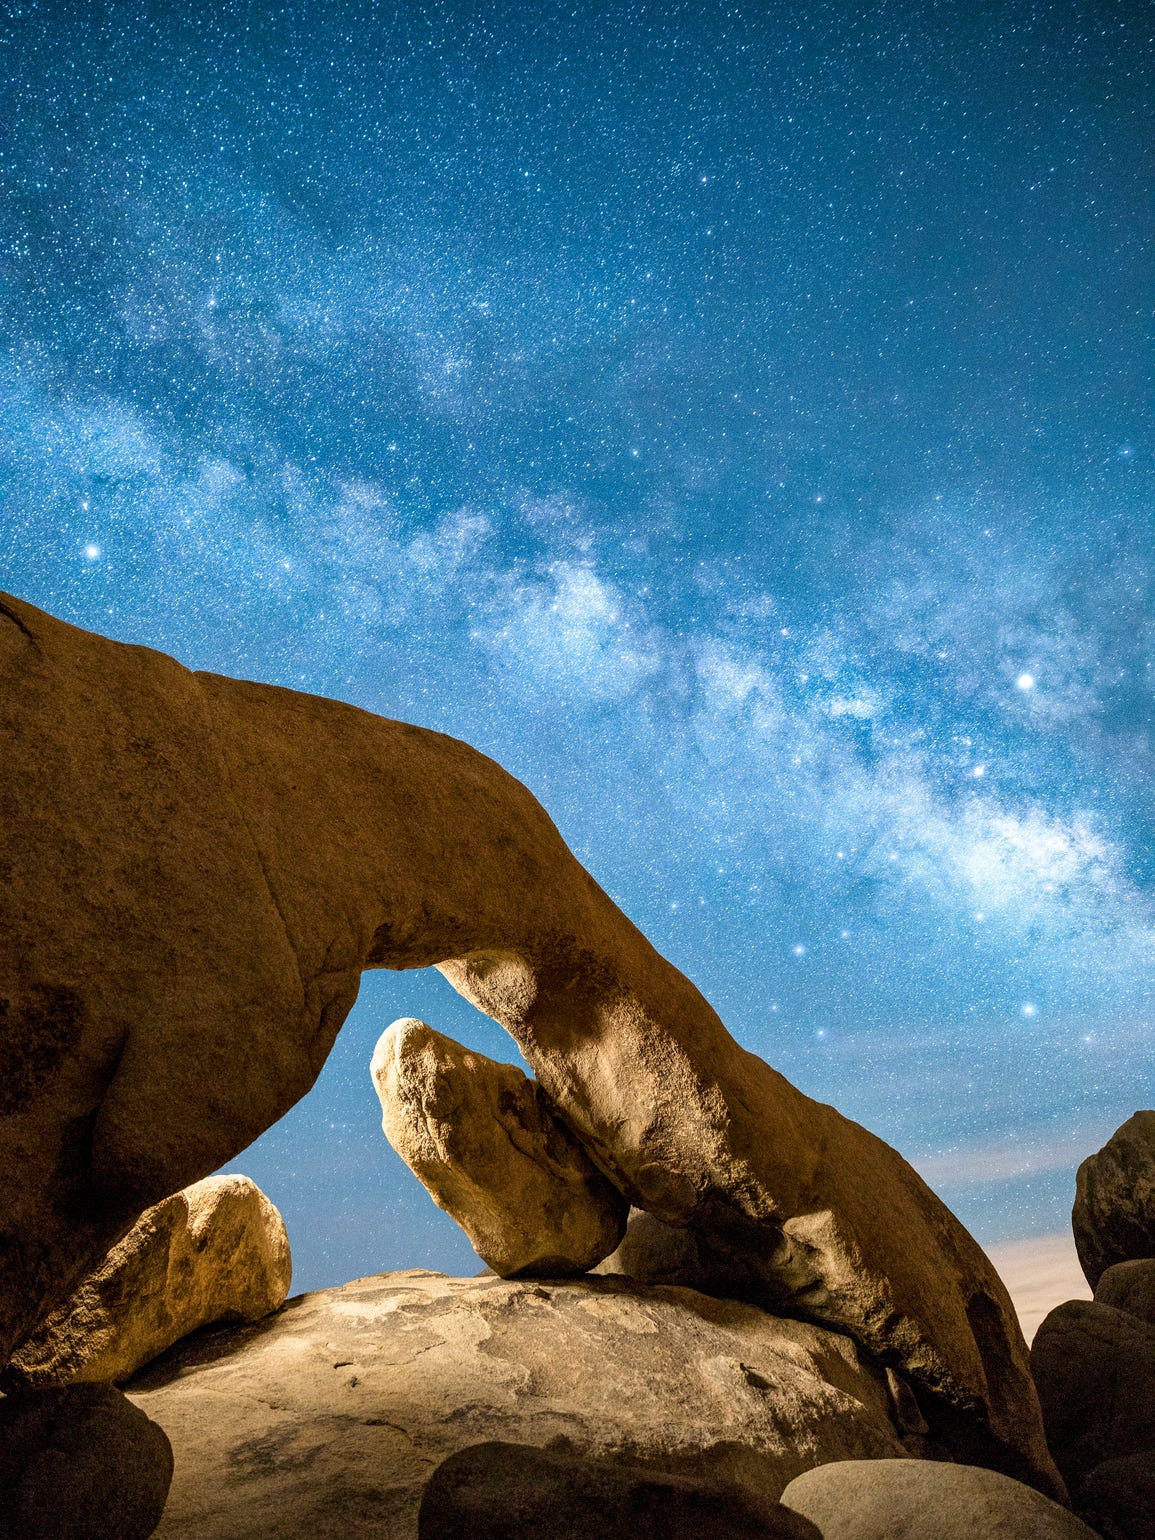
x=92, y=552
x=1026, y=681
x=1028, y=1009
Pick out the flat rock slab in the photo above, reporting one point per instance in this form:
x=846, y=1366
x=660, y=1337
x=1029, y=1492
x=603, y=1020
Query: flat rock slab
x=330, y=1417
x=926, y=1500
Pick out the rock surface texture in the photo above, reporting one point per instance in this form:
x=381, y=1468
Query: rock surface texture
x=926, y=1500
x=195, y=872
x=482, y=1138
x=516, y=1492
x=332, y=1416
x=217, y=1251
x=1095, y=1370
x=80, y=1463
x=1114, y=1213
x=1129, y=1286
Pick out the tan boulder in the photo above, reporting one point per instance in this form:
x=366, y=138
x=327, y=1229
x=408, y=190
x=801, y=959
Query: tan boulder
x=334, y=1416
x=217, y=1251
x=926, y=1500
x=197, y=869
x=481, y=1137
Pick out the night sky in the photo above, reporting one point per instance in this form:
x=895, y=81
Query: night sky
x=734, y=418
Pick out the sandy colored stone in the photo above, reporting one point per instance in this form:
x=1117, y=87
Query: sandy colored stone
x=217, y=1251
x=516, y=1492
x=331, y=1416
x=1114, y=1213
x=1129, y=1286
x=1095, y=1370
x=926, y=1500
x=482, y=1138
x=80, y=1463
x=197, y=869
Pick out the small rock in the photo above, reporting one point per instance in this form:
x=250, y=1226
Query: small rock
x=1114, y=1213
x=483, y=1139
x=1130, y=1286
x=217, y=1251
x=652, y=1251
x=80, y=1463
x=519, y=1492
x=926, y=1500
x=1094, y=1368
x=1118, y=1498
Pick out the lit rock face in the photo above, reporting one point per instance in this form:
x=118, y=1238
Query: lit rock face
x=333, y=1416
x=483, y=1140
x=1114, y=1213
x=921, y=1499
x=217, y=1251
x=195, y=872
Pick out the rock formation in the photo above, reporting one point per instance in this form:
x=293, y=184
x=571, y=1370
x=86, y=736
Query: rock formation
x=217, y=1251
x=80, y=1463
x=333, y=1415
x=516, y=1492
x=921, y=1499
x=482, y=1138
x=197, y=869
x=1114, y=1213
x=1129, y=1286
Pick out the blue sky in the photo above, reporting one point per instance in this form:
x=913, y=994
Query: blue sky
x=735, y=420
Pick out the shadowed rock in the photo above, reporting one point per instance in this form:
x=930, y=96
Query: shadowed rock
x=1118, y=1497
x=197, y=869
x=1095, y=1371
x=481, y=1137
x=217, y=1251
x=516, y=1492
x=1114, y=1213
x=80, y=1463
x=1129, y=1286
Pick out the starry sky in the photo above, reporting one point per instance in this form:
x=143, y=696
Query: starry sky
x=736, y=418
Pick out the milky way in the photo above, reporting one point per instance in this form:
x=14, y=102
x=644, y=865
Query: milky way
x=736, y=421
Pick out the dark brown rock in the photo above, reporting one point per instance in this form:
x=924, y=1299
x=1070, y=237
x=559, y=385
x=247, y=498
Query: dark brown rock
x=197, y=869
x=1118, y=1498
x=1095, y=1371
x=1129, y=1286
x=1114, y=1213
x=502, y=1491
x=80, y=1463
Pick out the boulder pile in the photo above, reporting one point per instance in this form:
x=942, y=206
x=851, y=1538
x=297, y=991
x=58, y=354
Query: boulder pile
x=1094, y=1360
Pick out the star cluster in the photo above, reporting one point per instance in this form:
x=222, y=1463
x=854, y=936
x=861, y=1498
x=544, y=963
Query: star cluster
x=735, y=418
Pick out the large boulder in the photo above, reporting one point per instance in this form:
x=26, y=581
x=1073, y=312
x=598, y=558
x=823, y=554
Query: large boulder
x=1095, y=1371
x=482, y=1138
x=80, y=1463
x=1114, y=1213
x=195, y=872
x=926, y=1500
x=516, y=1492
x=332, y=1416
x=217, y=1251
